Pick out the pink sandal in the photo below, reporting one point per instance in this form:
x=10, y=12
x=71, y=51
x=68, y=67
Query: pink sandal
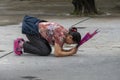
x=17, y=48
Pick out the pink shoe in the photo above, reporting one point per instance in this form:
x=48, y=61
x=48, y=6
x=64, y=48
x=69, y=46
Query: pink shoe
x=17, y=47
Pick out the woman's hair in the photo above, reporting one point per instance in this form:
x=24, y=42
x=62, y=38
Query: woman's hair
x=76, y=35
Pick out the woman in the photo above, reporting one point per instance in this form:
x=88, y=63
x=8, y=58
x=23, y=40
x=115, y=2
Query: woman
x=49, y=33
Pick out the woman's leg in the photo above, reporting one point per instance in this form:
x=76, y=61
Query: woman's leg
x=37, y=45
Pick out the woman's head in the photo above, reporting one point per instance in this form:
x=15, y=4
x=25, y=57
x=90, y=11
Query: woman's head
x=73, y=36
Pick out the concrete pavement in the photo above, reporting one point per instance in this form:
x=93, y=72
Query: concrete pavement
x=98, y=59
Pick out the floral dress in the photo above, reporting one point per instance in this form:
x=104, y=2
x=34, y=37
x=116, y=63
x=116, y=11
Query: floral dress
x=52, y=32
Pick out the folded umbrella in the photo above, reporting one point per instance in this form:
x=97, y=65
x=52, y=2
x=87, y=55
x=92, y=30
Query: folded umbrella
x=87, y=37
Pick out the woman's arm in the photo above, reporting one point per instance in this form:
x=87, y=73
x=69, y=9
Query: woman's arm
x=59, y=52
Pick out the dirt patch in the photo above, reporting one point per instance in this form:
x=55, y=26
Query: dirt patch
x=13, y=12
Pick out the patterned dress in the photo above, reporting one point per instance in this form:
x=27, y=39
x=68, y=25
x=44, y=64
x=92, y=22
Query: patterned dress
x=52, y=32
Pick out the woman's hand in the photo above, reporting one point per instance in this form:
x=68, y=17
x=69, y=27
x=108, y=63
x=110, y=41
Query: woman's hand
x=74, y=50
x=59, y=52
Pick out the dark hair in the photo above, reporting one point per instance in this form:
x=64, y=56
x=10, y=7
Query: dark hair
x=76, y=35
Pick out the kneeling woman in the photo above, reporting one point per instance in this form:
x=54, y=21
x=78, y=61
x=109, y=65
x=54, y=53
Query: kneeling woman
x=50, y=33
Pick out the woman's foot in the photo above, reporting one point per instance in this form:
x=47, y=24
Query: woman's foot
x=18, y=45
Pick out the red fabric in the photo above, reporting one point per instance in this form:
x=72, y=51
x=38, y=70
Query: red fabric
x=53, y=32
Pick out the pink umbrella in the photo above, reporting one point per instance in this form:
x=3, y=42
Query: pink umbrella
x=88, y=36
